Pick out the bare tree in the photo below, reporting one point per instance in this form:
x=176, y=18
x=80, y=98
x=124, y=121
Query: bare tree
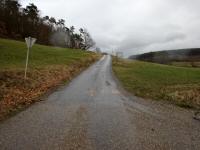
x=88, y=41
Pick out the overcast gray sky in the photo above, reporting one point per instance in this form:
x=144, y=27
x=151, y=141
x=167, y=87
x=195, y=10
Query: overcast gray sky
x=131, y=26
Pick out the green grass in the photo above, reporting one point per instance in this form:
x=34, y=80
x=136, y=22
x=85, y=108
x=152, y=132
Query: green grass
x=161, y=82
x=186, y=64
x=48, y=68
x=13, y=55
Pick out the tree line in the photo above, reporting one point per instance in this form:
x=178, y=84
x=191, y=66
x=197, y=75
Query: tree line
x=168, y=56
x=17, y=22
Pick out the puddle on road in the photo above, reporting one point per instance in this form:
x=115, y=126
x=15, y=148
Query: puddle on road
x=108, y=83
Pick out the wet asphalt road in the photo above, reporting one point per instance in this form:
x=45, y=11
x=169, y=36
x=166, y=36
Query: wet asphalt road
x=92, y=113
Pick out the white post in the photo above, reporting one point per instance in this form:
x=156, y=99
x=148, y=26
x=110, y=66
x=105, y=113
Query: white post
x=29, y=41
x=27, y=56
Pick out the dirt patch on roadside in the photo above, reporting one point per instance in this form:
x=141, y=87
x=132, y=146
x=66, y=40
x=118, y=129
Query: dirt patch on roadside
x=17, y=93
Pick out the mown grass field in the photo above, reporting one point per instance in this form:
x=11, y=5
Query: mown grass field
x=160, y=82
x=13, y=55
x=48, y=67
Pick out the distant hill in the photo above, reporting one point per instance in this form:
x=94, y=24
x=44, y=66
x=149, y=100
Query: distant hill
x=168, y=56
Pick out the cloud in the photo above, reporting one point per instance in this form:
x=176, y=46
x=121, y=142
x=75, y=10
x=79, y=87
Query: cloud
x=131, y=26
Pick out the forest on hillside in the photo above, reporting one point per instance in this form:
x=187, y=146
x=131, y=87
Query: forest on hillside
x=168, y=56
x=17, y=23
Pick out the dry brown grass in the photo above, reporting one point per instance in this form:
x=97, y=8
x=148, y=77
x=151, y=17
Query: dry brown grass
x=17, y=93
x=183, y=95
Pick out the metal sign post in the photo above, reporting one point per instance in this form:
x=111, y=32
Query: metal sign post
x=29, y=42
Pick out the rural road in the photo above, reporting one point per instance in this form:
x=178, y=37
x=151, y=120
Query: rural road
x=92, y=113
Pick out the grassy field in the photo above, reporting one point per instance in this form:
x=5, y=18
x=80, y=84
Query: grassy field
x=48, y=67
x=160, y=82
x=194, y=64
x=13, y=55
